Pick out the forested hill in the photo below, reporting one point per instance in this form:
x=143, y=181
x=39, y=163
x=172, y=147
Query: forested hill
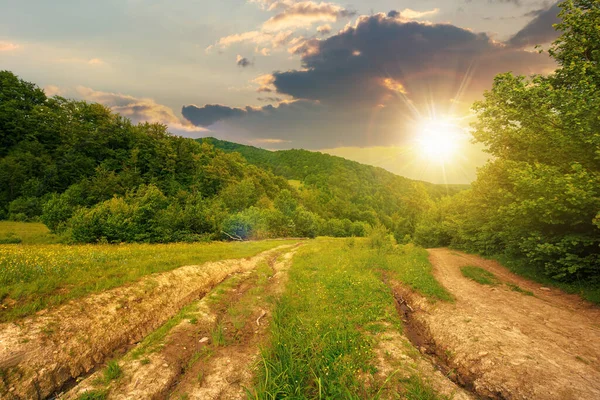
x=324, y=170
x=335, y=187
x=92, y=175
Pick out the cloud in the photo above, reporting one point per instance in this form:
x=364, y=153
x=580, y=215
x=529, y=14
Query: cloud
x=273, y=40
x=137, y=109
x=304, y=14
x=53, y=90
x=243, y=61
x=324, y=29
x=370, y=82
x=425, y=59
x=96, y=62
x=282, y=28
x=210, y=114
x=8, y=46
x=412, y=14
x=539, y=30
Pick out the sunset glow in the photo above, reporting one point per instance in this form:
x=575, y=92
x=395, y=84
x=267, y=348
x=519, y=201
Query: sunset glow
x=438, y=140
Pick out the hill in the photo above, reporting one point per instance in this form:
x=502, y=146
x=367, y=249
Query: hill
x=346, y=189
x=91, y=175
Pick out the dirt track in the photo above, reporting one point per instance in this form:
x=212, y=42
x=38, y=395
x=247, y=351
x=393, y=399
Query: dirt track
x=510, y=345
x=41, y=353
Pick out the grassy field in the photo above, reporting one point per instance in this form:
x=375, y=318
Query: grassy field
x=324, y=327
x=26, y=233
x=37, y=276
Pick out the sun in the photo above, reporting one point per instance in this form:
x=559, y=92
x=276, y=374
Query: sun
x=438, y=140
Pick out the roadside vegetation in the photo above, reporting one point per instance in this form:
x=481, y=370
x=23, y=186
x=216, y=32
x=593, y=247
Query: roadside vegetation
x=324, y=328
x=479, y=275
x=34, y=277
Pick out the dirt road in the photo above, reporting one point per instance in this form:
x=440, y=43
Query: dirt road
x=42, y=353
x=507, y=344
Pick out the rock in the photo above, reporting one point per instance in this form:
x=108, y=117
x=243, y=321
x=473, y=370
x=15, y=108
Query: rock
x=545, y=289
x=166, y=365
x=483, y=353
x=203, y=340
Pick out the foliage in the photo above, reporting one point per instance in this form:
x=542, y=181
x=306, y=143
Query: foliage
x=539, y=197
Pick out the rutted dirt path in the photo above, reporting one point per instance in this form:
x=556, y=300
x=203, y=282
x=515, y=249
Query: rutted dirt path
x=209, y=354
x=42, y=353
x=509, y=345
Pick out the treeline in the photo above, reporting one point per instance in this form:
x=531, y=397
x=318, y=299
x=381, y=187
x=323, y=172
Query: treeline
x=539, y=199
x=334, y=187
x=91, y=175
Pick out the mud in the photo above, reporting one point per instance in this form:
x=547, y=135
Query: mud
x=41, y=354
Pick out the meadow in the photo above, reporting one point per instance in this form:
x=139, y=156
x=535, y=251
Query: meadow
x=36, y=276
x=327, y=324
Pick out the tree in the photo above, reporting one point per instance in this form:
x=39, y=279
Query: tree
x=540, y=195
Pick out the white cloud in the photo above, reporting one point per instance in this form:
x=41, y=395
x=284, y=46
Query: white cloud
x=412, y=14
x=138, y=109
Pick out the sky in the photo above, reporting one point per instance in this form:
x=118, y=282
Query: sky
x=368, y=80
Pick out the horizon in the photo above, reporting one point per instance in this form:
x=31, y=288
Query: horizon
x=364, y=81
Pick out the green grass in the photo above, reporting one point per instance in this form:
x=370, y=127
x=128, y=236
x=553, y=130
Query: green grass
x=34, y=277
x=587, y=290
x=517, y=288
x=93, y=395
x=26, y=233
x=410, y=264
x=321, y=344
x=479, y=275
x=113, y=371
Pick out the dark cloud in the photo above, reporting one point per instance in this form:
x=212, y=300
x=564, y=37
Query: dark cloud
x=393, y=14
x=539, y=30
x=270, y=99
x=517, y=3
x=211, y=113
x=426, y=59
x=364, y=85
x=243, y=62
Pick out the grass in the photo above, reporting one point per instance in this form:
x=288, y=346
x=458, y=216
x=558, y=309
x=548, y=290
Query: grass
x=26, y=233
x=588, y=290
x=153, y=342
x=34, y=277
x=113, y=371
x=410, y=265
x=479, y=275
x=321, y=346
x=93, y=395
x=517, y=288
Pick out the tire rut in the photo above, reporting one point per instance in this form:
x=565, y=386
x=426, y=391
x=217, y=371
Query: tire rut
x=41, y=354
